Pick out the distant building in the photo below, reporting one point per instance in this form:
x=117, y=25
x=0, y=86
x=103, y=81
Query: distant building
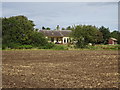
x=112, y=41
x=57, y=36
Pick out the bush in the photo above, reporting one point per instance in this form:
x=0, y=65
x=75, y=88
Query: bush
x=13, y=45
x=80, y=44
x=53, y=47
x=60, y=47
x=38, y=39
x=47, y=46
x=16, y=46
x=25, y=47
x=105, y=47
x=92, y=47
x=4, y=46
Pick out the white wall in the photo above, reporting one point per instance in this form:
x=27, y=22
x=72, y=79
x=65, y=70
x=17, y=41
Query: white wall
x=65, y=40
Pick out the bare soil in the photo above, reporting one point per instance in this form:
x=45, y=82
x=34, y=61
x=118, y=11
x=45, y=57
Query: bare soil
x=60, y=69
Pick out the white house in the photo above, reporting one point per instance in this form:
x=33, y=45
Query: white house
x=57, y=36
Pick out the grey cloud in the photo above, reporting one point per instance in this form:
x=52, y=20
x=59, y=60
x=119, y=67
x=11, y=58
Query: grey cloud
x=52, y=14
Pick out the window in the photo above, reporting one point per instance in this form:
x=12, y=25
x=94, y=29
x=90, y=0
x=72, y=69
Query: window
x=52, y=39
x=67, y=40
x=57, y=39
x=64, y=40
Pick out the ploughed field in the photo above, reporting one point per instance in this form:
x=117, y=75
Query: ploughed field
x=60, y=69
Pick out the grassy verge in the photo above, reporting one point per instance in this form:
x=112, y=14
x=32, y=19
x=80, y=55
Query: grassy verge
x=65, y=47
x=56, y=47
x=104, y=47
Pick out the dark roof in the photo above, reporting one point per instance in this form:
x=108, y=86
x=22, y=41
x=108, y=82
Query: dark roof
x=56, y=33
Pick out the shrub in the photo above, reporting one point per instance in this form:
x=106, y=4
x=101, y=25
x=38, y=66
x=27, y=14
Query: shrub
x=47, y=46
x=92, y=47
x=104, y=47
x=53, y=46
x=60, y=47
x=80, y=44
x=4, y=46
x=25, y=47
x=16, y=46
x=13, y=45
x=38, y=39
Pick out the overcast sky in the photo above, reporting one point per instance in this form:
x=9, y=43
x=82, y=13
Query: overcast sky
x=51, y=14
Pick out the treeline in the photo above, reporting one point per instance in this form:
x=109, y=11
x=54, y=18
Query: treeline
x=84, y=34
x=18, y=32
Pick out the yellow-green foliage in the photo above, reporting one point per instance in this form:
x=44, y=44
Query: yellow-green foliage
x=105, y=47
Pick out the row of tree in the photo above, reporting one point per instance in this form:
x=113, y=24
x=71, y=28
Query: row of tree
x=85, y=34
x=100, y=35
x=57, y=28
x=18, y=30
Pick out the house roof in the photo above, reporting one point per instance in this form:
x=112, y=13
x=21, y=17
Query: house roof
x=114, y=39
x=56, y=33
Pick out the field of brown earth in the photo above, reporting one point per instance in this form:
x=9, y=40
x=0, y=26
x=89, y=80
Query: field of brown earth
x=60, y=69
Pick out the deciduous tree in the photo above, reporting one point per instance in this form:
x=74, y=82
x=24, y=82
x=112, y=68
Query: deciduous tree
x=84, y=34
x=106, y=34
x=19, y=30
